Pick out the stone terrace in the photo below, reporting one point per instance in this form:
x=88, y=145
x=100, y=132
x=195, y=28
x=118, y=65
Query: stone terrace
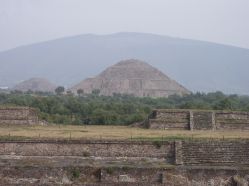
x=197, y=120
x=18, y=116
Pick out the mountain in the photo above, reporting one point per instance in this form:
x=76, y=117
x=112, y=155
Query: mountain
x=35, y=84
x=132, y=77
x=198, y=65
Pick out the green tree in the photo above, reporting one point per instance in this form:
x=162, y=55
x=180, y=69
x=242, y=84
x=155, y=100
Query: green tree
x=224, y=104
x=59, y=90
x=120, y=109
x=96, y=92
x=80, y=92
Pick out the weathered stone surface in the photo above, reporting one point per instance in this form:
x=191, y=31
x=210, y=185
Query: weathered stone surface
x=193, y=152
x=223, y=152
x=169, y=119
x=90, y=149
x=199, y=163
x=197, y=120
x=178, y=153
x=202, y=120
x=132, y=77
x=184, y=176
x=18, y=116
x=232, y=120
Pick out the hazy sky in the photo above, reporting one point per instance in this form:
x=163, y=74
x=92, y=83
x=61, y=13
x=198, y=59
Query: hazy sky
x=29, y=21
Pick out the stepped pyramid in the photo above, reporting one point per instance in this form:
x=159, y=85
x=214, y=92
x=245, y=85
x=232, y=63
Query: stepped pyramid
x=36, y=84
x=132, y=77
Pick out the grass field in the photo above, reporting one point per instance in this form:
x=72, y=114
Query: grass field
x=109, y=132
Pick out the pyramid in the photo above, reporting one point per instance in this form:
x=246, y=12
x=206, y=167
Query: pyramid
x=133, y=77
x=35, y=84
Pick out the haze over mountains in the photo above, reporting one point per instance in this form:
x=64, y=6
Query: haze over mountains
x=197, y=65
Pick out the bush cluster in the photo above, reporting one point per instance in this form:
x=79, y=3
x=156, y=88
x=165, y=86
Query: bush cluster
x=118, y=109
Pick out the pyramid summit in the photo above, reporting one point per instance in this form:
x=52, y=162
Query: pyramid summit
x=132, y=77
x=133, y=69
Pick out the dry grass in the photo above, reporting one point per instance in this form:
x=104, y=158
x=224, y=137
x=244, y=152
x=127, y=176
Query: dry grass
x=110, y=132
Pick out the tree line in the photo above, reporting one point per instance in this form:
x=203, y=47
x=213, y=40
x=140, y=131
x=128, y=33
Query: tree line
x=117, y=109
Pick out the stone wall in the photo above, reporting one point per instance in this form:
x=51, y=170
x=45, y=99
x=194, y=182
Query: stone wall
x=90, y=176
x=53, y=162
x=110, y=149
x=232, y=120
x=58, y=162
x=223, y=152
x=203, y=120
x=194, y=152
x=197, y=120
x=18, y=116
x=169, y=119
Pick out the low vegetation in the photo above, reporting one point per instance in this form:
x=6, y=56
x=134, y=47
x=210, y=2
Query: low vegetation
x=101, y=132
x=116, y=110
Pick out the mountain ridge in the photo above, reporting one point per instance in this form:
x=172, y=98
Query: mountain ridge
x=117, y=34
x=199, y=66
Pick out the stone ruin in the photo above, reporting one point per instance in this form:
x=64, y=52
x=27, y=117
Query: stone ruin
x=197, y=162
x=197, y=120
x=132, y=77
x=18, y=116
x=128, y=163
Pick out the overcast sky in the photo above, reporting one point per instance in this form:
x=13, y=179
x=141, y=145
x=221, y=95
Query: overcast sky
x=29, y=21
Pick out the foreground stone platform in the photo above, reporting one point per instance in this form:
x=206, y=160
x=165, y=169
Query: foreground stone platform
x=98, y=162
x=19, y=173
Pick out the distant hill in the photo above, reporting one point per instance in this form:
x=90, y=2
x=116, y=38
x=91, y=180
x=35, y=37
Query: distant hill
x=199, y=66
x=35, y=84
x=132, y=77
